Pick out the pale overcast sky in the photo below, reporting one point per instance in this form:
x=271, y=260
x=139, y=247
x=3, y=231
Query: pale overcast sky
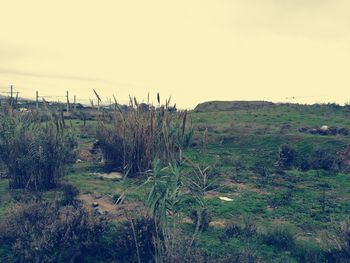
x=193, y=50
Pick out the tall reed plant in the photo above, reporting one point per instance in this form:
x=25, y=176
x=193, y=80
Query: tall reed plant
x=132, y=138
x=35, y=153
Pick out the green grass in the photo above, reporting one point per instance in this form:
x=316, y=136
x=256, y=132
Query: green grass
x=244, y=138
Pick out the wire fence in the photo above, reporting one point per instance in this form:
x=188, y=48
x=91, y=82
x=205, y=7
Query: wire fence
x=22, y=94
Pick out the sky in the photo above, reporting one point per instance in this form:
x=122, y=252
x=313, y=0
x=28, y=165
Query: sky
x=191, y=50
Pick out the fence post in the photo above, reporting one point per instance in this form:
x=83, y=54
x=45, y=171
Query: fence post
x=67, y=101
x=37, y=99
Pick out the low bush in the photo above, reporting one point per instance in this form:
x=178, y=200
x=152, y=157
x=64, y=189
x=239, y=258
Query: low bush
x=141, y=239
x=314, y=158
x=70, y=192
x=286, y=157
x=245, y=229
x=129, y=241
x=231, y=231
x=47, y=232
x=280, y=237
x=340, y=244
x=136, y=239
x=325, y=160
x=306, y=252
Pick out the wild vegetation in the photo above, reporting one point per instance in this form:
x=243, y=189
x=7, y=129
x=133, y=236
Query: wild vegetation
x=133, y=138
x=240, y=184
x=34, y=153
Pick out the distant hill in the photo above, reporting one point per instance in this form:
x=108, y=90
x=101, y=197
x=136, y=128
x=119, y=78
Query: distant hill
x=230, y=105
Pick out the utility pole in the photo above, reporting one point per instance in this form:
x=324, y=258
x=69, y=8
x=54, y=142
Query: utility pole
x=75, y=103
x=37, y=99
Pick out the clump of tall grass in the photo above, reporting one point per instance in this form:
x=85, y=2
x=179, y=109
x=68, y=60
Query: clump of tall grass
x=34, y=153
x=131, y=139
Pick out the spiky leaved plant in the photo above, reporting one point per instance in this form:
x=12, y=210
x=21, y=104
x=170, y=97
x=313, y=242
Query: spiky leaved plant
x=168, y=187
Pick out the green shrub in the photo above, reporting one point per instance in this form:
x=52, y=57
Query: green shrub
x=246, y=229
x=47, y=232
x=231, y=231
x=314, y=158
x=286, y=157
x=340, y=243
x=280, y=237
x=306, y=252
x=70, y=192
x=325, y=160
x=136, y=239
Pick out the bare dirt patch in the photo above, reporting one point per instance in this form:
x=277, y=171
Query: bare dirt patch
x=110, y=209
x=218, y=223
x=270, y=208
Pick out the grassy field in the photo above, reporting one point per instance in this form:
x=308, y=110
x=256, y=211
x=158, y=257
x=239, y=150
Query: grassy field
x=241, y=154
x=244, y=138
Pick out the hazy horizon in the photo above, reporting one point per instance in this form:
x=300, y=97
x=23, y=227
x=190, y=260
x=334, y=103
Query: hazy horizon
x=193, y=51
